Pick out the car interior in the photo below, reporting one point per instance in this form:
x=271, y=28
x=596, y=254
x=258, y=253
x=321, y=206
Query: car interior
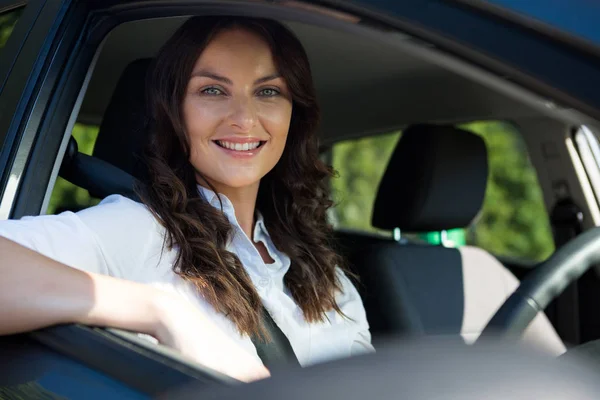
x=371, y=82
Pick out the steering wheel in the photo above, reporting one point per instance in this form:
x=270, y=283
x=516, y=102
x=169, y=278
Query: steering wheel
x=544, y=284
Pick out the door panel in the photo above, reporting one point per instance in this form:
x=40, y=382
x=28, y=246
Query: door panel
x=30, y=370
x=28, y=52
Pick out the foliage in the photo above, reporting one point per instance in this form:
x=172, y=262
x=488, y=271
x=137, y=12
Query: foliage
x=513, y=221
x=7, y=23
x=65, y=195
x=361, y=164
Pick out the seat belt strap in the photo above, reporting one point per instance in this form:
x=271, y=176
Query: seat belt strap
x=276, y=351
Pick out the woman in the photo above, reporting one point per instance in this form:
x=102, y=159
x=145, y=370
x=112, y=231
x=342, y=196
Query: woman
x=234, y=216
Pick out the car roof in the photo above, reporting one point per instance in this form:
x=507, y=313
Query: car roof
x=577, y=18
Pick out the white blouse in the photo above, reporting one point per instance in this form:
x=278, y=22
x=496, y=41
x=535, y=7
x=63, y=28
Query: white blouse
x=121, y=238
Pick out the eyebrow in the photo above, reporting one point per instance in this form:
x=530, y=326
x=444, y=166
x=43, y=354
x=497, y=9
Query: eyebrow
x=267, y=78
x=220, y=78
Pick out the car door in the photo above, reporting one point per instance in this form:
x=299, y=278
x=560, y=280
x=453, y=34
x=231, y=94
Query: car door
x=39, y=82
x=67, y=361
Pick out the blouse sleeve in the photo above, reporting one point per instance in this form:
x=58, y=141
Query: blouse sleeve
x=352, y=306
x=110, y=238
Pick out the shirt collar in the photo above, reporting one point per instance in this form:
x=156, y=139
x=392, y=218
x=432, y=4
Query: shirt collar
x=260, y=230
x=259, y=234
x=216, y=200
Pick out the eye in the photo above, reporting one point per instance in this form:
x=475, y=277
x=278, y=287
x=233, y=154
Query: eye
x=212, y=91
x=268, y=92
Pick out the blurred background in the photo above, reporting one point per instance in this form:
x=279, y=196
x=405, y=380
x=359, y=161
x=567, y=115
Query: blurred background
x=513, y=223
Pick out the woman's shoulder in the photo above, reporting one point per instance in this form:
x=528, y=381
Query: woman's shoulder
x=111, y=237
x=126, y=231
x=120, y=218
x=118, y=210
x=116, y=202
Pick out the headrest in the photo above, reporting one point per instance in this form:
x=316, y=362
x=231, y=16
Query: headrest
x=122, y=133
x=435, y=180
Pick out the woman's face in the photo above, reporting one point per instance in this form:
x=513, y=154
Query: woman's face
x=237, y=111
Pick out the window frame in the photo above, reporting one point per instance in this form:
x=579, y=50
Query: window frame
x=588, y=150
x=22, y=71
x=49, y=55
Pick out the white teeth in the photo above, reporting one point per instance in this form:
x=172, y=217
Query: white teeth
x=239, y=146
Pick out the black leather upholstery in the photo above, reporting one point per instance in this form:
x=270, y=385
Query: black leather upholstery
x=115, y=164
x=123, y=130
x=97, y=176
x=435, y=180
x=407, y=289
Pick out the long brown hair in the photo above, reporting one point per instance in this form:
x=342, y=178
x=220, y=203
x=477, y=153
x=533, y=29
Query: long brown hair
x=293, y=197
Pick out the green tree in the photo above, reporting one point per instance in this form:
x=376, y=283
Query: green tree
x=65, y=195
x=361, y=164
x=7, y=24
x=513, y=221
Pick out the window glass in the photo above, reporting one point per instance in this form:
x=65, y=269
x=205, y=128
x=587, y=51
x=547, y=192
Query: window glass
x=360, y=164
x=65, y=195
x=513, y=222
x=7, y=24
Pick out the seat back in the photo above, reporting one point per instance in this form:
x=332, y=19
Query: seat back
x=435, y=180
x=115, y=163
x=411, y=288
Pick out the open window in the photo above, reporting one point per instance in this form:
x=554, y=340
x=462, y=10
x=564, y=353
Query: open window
x=513, y=223
x=370, y=80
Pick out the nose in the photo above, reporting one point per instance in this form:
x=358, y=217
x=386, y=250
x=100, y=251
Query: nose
x=243, y=115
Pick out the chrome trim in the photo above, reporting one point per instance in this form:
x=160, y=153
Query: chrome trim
x=16, y=172
x=10, y=192
x=587, y=147
x=582, y=176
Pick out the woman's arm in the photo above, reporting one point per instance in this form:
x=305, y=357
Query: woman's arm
x=36, y=292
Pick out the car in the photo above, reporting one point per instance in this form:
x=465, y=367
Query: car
x=473, y=119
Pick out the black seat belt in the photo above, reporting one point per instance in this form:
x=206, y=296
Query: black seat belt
x=277, y=351
x=566, y=219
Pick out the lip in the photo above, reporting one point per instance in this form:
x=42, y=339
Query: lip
x=240, y=154
x=240, y=139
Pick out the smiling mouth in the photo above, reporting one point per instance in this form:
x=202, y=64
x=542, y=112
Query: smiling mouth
x=249, y=146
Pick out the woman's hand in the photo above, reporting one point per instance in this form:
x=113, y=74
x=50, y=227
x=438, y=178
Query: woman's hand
x=36, y=292
x=186, y=329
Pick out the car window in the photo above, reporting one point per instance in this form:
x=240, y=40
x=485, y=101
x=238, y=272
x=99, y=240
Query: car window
x=360, y=164
x=7, y=24
x=65, y=195
x=513, y=222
